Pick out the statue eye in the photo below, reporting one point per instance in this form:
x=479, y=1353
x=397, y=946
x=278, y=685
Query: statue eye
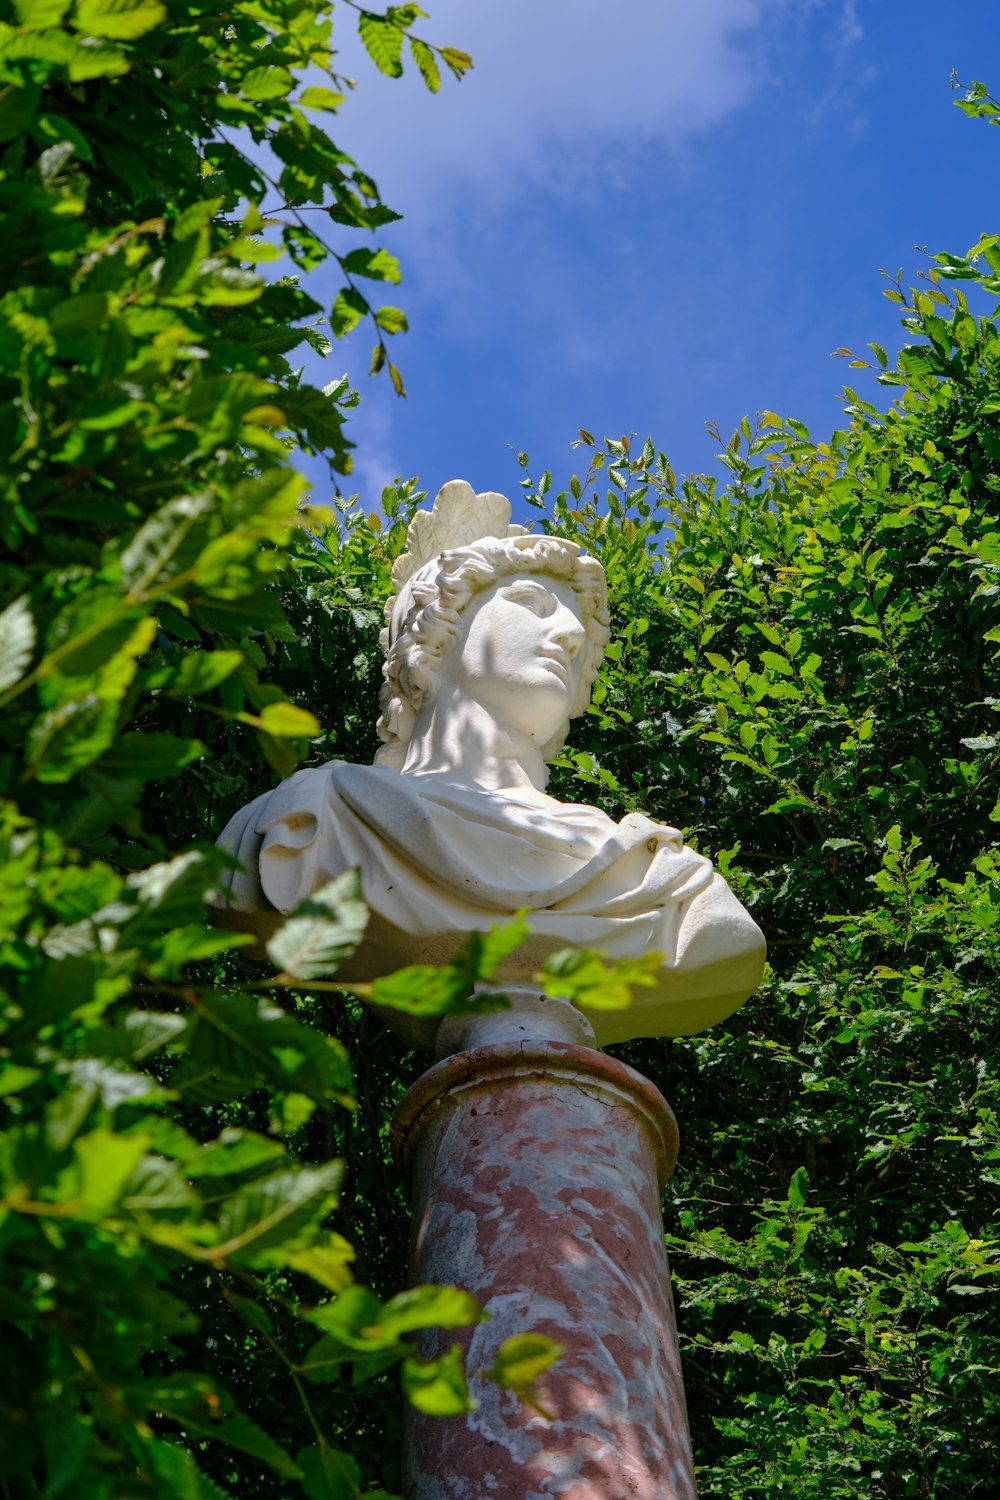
x=533, y=596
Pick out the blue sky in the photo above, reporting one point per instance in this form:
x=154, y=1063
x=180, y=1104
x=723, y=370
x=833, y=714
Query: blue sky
x=650, y=214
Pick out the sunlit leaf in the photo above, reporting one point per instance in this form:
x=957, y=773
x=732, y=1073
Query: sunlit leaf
x=383, y=42
x=17, y=641
x=322, y=930
x=437, y=1386
x=521, y=1360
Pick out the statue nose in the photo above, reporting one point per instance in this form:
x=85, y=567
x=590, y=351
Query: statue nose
x=570, y=635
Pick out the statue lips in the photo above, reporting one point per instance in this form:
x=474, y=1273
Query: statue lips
x=557, y=660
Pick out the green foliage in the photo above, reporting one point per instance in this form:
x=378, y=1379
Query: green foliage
x=168, y=1177
x=803, y=676
x=579, y=975
x=322, y=931
x=522, y=1359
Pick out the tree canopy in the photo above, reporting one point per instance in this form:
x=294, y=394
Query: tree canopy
x=203, y=1241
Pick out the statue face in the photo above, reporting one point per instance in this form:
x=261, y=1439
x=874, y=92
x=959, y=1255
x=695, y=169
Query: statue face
x=522, y=654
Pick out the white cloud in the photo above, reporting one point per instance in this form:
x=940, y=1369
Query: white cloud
x=559, y=90
x=851, y=30
x=573, y=99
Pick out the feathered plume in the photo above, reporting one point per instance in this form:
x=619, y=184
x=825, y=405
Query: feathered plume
x=459, y=517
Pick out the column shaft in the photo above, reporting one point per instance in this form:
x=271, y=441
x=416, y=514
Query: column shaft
x=536, y=1169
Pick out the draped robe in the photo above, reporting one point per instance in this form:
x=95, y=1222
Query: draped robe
x=440, y=858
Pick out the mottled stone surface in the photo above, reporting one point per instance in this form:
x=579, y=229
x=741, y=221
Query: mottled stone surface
x=535, y=1170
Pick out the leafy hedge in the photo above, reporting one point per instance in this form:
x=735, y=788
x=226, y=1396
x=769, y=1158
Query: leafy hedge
x=165, y=1217
x=806, y=679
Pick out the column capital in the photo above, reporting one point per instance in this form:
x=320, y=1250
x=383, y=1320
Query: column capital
x=558, y=1063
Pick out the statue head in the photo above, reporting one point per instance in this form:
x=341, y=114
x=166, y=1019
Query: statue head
x=458, y=552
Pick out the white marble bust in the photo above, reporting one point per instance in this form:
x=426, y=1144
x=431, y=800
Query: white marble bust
x=494, y=639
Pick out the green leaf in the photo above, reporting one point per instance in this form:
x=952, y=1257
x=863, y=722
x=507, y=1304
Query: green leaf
x=391, y=320
x=174, y=889
x=582, y=976
x=198, y=1406
x=791, y=804
x=15, y=1078
x=261, y=1224
x=200, y=671
x=224, y=285
x=70, y=737
x=306, y=249
x=316, y=415
x=106, y=1161
x=422, y=990
x=322, y=930
x=798, y=1188
x=353, y=1313
x=240, y=1043
x=105, y=413
x=458, y=61
x=252, y=1313
x=177, y=1471
x=266, y=83
x=17, y=109
x=119, y=20
x=329, y=1262
x=484, y=953
x=429, y=1307
x=742, y=1340
x=426, y=63
x=377, y=265
x=437, y=1386
x=348, y=310
x=233, y=1152
x=164, y=545
x=138, y=1033
x=522, y=1359
x=317, y=97
x=777, y=663
x=242, y=616
x=328, y=1474
x=288, y=721
x=37, y=15
x=17, y=642
x=84, y=313
x=87, y=633
x=254, y=252
x=148, y=757
x=157, y=1189
x=383, y=42
x=62, y=987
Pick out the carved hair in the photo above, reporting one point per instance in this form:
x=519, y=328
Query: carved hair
x=424, y=625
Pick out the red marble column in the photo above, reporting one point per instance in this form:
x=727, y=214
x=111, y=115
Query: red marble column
x=536, y=1168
